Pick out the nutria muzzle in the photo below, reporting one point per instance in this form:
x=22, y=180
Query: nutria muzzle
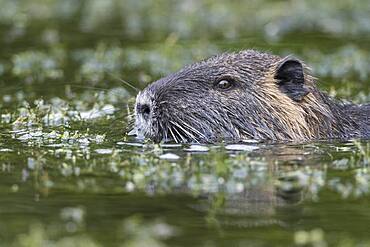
x=146, y=123
x=247, y=95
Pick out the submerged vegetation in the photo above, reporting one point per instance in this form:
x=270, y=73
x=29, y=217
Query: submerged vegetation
x=70, y=175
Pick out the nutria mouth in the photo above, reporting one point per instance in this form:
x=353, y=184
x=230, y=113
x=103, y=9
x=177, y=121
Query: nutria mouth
x=247, y=95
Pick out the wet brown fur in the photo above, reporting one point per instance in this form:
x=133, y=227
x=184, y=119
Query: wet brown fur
x=304, y=120
x=271, y=114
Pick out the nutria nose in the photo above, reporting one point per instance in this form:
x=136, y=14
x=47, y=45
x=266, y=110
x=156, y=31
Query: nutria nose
x=143, y=109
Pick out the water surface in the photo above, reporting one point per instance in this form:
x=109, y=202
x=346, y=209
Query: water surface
x=70, y=176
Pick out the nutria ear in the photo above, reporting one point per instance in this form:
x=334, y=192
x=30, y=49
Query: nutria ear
x=290, y=78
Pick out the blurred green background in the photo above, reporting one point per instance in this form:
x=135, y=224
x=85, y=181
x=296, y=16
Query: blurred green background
x=46, y=40
x=69, y=175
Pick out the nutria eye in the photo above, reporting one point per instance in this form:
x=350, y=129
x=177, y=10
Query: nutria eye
x=224, y=84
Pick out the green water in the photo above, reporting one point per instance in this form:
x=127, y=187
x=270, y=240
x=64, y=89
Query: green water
x=70, y=176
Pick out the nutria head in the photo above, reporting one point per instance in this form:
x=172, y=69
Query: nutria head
x=236, y=96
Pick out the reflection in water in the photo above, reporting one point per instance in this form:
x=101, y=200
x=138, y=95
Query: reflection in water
x=275, y=203
x=69, y=175
x=204, y=189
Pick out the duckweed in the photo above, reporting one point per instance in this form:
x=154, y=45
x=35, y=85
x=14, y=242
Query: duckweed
x=71, y=176
x=38, y=66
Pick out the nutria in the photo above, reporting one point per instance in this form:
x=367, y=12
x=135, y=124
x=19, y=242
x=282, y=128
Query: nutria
x=246, y=95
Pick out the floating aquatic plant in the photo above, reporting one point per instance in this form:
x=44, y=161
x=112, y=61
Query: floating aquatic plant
x=38, y=66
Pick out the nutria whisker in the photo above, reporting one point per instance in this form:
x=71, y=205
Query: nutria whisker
x=88, y=87
x=192, y=137
x=173, y=136
x=124, y=81
x=178, y=133
x=194, y=130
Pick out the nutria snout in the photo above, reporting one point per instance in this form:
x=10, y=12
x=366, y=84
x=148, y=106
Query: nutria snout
x=244, y=95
